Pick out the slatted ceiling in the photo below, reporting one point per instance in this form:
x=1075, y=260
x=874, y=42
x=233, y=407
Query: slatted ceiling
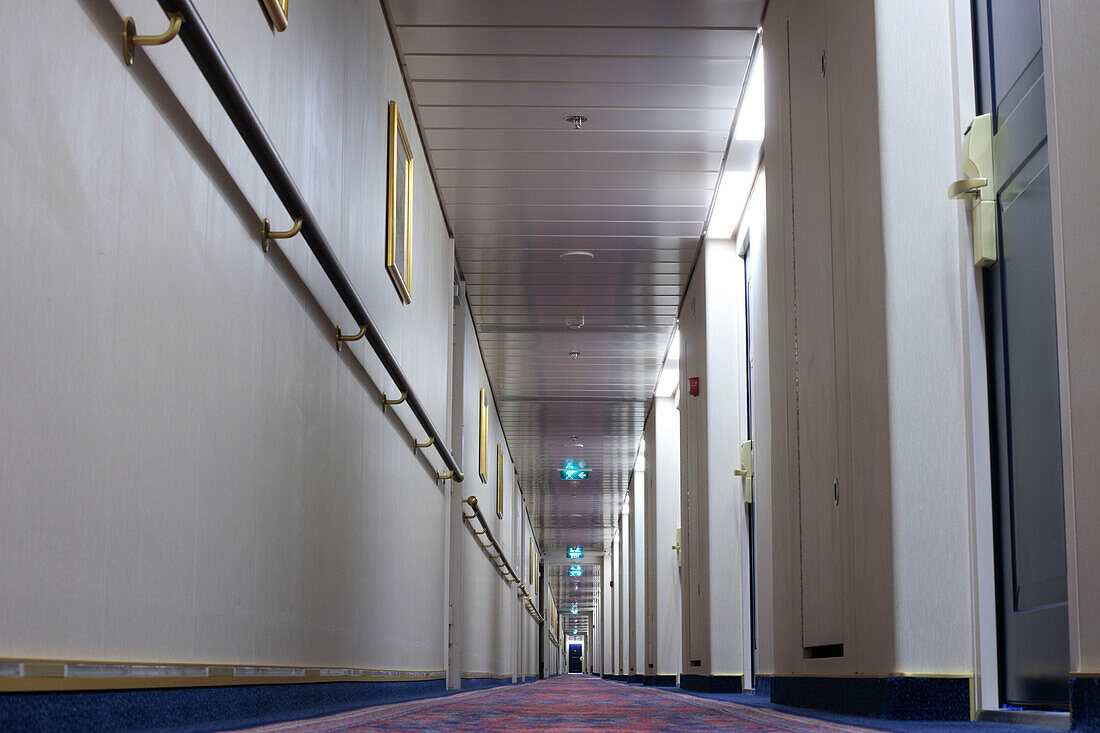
x=576, y=69
x=556, y=140
x=624, y=13
x=574, y=179
x=492, y=81
x=589, y=96
x=543, y=117
x=572, y=40
x=575, y=197
x=568, y=590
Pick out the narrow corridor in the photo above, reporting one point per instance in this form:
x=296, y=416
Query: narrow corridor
x=585, y=703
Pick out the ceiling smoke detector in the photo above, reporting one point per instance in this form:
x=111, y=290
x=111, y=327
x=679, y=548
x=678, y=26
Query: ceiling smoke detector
x=577, y=253
x=576, y=120
x=574, y=354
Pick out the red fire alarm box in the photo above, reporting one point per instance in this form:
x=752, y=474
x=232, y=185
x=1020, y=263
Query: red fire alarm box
x=693, y=386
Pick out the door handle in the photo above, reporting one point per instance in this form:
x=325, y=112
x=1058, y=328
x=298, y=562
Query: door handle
x=977, y=153
x=967, y=188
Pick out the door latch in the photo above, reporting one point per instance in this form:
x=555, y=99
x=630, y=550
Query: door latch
x=980, y=187
x=746, y=471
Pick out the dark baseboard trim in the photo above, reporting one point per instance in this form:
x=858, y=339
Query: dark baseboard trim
x=893, y=698
x=481, y=683
x=763, y=686
x=659, y=680
x=637, y=679
x=1084, y=700
x=711, y=682
x=206, y=708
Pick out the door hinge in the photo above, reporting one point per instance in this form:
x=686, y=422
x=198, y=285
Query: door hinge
x=836, y=493
x=822, y=64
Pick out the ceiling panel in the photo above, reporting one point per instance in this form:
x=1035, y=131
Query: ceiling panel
x=591, y=179
x=582, y=97
x=642, y=13
x=544, y=117
x=568, y=139
x=492, y=82
x=613, y=70
x=577, y=196
x=572, y=40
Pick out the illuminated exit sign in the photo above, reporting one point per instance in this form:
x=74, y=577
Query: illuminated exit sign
x=573, y=608
x=575, y=571
x=576, y=553
x=573, y=472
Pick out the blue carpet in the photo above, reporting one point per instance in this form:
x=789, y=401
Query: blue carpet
x=896, y=726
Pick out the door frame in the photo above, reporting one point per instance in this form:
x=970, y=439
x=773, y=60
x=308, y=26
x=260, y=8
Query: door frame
x=986, y=687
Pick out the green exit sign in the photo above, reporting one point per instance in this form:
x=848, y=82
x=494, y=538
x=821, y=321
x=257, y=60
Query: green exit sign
x=576, y=553
x=573, y=472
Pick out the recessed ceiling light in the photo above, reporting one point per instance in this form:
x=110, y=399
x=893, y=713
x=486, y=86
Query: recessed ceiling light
x=576, y=120
x=574, y=354
x=577, y=253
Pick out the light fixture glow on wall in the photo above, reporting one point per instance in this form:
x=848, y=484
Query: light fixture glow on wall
x=729, y=203
x=750, y=119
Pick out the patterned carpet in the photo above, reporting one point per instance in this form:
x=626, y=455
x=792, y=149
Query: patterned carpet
x=572, y=703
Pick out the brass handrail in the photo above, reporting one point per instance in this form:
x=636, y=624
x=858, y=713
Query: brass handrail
x=497, y=552
x=553, y=639
x=192, y=31
x=529, y=604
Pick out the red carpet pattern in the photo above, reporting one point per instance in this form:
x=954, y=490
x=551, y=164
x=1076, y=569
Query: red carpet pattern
x=572, y=703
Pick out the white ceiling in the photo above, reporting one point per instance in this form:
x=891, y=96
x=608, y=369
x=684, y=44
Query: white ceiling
x=492, y=81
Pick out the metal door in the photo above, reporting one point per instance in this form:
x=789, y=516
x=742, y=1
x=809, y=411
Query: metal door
x=1022, y=348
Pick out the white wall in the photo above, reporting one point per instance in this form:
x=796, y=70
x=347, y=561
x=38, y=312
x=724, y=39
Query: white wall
x=637, y=573
x=711, y=431
x=902, y=407
x=490, y=607
x=925, y=352
x=662, y=517
x=1070, y=57
x=189, y=471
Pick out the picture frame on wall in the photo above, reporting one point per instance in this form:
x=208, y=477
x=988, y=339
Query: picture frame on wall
x=399, y=194
x=500, y=482
x=279, y=13
x=483, y=438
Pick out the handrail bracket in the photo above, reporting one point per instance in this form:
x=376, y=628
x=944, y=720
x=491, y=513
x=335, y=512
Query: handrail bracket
x=131, y=40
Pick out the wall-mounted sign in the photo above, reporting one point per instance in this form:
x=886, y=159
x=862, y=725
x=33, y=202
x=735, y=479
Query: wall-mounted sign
x=573, y=608
x=576, y=553
x=575, y=571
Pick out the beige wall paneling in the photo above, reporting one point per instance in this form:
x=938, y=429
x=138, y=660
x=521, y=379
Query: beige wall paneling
x=192, y=473
x=606, y=612
x=895, y=309
x=711, y=431
x=662, y=517
x=926, y=354
x=490, y=606
x=637, y=572
x=815, y=338
x=1069, y=54
x=754, y=229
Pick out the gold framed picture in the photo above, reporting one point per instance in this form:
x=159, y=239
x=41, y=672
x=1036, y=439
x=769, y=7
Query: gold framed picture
x=531, y=564
x=278, y=11
x=483, y=438
x=399, y=191
x=500, y=482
